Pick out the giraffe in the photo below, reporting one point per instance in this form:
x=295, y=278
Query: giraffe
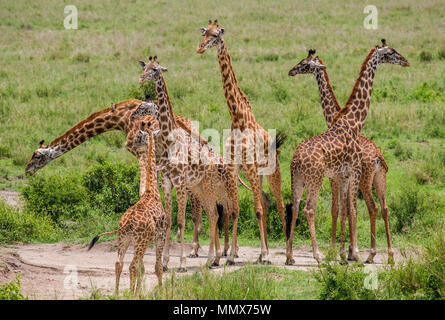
x=189, y=162
x=252, y=135
x=117, y=117
x=336, y=154
x=143, y=223
x=374, y=167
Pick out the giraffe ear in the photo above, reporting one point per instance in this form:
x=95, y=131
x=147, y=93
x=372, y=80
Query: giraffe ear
x=142, y=64
x=162, y=68
x=202, y=30
x=41, y=143
x=155, y=133
x=222, y=31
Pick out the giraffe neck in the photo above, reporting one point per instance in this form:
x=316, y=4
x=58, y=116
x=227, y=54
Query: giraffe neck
x=166, y=118
x=151, y=189
x=329, y=101
x=357, y=106
x=237, y=102
x=97, y=123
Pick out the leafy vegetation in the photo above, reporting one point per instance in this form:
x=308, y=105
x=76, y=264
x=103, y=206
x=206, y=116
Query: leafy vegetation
x=12, y=290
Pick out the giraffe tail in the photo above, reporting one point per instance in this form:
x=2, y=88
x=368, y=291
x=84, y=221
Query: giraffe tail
x=97, y=238
x=293, y=207
x=280, y=139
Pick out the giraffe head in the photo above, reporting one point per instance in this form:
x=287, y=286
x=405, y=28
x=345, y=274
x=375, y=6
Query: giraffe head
x=212, y=36
x=146, y=109
x=310, y=64
x=151, y=70
x=386, y=54
x=40, y=158
x=141, y=139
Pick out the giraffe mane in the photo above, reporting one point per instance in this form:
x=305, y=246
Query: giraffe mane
x=348, y=105
x=121, y=106
x=331, y=90
x=169, y=103
x=191, y=132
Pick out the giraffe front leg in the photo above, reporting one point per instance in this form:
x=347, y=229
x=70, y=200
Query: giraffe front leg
x=254, y=180
x=167, y=190
x=352, y=202
x=366, y=188
x=334, y=211
x=195, y=206
x=181, y=195
x=380, y=187
x=232, y=190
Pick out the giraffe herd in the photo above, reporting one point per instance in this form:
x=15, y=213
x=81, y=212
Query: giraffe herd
x=167, y=144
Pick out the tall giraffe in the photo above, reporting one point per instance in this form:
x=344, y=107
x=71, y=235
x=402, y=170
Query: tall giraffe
x=336, y=154
x=374, y=167
x=190, y=163
x=117, y=117
x=246, y=134
x=141, y=224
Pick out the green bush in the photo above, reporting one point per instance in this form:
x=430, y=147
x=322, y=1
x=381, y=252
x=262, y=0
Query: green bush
x=17, y=226
x=145, y=91
x=55, y=196
x=343, y=282
x=112, y=187
x=405, y=206
x=12, y=290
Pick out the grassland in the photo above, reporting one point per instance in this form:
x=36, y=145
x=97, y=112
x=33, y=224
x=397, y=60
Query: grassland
x=51, y=78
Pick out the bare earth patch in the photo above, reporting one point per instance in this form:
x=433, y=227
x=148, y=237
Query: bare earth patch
x=11, y=198
x=49, y=270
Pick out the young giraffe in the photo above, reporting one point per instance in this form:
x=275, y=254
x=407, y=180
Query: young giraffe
x=115, y=118
x=141, y=224
x=253, y=135
x=374, y=167
x=188, y=162
x=336, y=154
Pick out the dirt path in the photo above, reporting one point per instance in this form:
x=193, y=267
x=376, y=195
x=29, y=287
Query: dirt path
x=48, y=269
x=11, y=198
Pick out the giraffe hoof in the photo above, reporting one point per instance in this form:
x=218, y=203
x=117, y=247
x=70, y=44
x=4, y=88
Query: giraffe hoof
x=344, y=262
x=182, y=270
x=193, y=255
x=224, y=254
x=230, y=263
x=164, y=268
x=215, y=264
x=289, y=262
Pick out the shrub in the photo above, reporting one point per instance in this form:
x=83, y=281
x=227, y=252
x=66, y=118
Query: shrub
x=55, y=196
x=112, y=187
x=17, y=226
x=405, y=206
x=441, y=53
x=427, y=92
x=145, y=91
x=343, y=282
x=425, y=56
x=12, y=290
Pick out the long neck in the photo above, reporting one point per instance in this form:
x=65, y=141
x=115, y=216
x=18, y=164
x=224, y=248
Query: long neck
x=151, y=187
x=237, y=101
x=329, y=101
x=97, y=123
x=167, y=120
x=357, y=106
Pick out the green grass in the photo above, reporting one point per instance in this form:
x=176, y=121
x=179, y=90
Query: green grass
x=247, y=283
x=51, y=78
